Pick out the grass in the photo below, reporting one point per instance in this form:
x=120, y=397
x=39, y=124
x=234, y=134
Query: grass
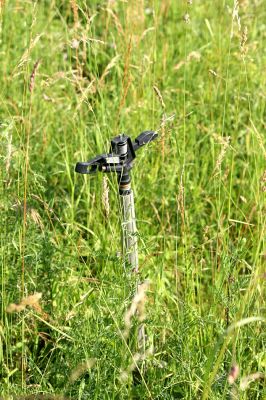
x=74, y=75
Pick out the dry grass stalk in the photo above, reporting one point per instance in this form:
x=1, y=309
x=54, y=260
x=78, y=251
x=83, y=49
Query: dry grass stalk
x=8, y=153
x=26, y=55
x=81, y=369
x=137, y=307
x=159, y=96
x=75, y=11
x=111, y=64
x=194, y=55
x=206, y=231
x=135, y=20
x=180, y=199
x=33, y=75
x=259, y=138
x=225, y=142
x=137, y=357
x=90, y=89
x=244, y=38
x=235, y=16
x=118, y=24
x=233, y=374
x=263, y=180
x=245, y=382
x=2, y=5
x=214, y=73
x=30, y=301
x=105, y=197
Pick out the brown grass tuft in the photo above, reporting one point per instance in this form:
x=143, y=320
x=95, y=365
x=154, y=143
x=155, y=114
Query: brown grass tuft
x=30, y=301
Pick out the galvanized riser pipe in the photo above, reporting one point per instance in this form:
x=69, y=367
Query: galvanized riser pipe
x=120, y=160
x=129, y=230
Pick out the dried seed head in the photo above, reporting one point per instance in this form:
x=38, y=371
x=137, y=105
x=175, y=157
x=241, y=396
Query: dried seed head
x=74, y=44
x=186, y=18
x=33, y=75
x=194, y=55
x=159, y=95
x=243, y=199
x=31, y=301
x=225, y=141
x=244, y=38
x=212, y=72
x=233, y=374
x=206, y=233
x=235, y=16
x=74, y=7
x=36, y=218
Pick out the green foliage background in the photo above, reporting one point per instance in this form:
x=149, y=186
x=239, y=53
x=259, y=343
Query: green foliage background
x=199, y=198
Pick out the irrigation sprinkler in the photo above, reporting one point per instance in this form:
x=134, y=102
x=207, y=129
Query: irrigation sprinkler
x=120, y=160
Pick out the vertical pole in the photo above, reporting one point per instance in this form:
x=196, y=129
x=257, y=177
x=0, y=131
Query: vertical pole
x=129, y=229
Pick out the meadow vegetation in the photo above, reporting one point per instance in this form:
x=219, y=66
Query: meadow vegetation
x=76, y=324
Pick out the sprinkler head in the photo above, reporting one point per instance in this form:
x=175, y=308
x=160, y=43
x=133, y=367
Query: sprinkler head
x=121, y=156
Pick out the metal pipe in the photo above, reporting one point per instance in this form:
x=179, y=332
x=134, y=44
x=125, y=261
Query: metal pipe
x=129, y=230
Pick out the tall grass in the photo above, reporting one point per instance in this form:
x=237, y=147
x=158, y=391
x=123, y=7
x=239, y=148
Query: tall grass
x=75, y=323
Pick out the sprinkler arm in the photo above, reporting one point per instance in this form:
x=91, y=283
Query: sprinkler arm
x=116, y=161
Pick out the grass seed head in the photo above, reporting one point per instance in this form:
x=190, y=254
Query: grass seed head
x=159, y=96
x=33, y=75
x=243, y=43
x=75, y=11
x=225, y=141
x=233, y=374
x=235, y=17
x=186, y=18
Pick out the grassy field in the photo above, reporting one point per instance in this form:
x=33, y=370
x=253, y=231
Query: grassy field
x=73, y=75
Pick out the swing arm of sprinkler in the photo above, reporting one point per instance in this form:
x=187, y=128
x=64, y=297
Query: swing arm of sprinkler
x=120, y=160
